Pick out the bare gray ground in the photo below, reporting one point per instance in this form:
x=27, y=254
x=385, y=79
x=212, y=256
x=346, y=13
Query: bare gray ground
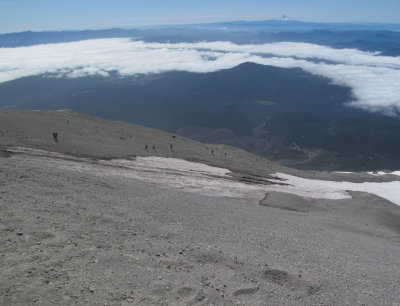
x=69, y=237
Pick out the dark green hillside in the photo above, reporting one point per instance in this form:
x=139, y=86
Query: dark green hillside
x=284, y=114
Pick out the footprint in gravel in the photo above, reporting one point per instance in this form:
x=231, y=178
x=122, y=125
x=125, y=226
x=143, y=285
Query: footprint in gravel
x=185, y=292
x=208, y=257
x=287, y=280
x=43, y=235
x=245, y=291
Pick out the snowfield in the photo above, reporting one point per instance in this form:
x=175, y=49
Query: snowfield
x=208, y=180
x=384, y=173
x=338, y=190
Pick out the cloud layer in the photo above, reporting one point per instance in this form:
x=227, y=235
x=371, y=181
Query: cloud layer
x=374, y=79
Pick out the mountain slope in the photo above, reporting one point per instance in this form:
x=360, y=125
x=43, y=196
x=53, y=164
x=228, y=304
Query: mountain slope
x=96, y=219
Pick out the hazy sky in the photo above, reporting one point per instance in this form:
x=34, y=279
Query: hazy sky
x=36, y=15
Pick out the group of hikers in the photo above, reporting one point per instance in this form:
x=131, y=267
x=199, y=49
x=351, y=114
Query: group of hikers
x=212, y=151
x=146, y=147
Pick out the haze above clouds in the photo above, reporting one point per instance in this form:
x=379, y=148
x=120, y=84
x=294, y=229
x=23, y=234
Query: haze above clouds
x=373, y=78
x=39, y=15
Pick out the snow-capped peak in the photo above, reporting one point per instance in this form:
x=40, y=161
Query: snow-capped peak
x=284, y=18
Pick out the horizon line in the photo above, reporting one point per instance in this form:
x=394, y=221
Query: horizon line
x=139, y=27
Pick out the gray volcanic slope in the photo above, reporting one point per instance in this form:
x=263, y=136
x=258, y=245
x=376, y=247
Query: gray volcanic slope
x=79, y=227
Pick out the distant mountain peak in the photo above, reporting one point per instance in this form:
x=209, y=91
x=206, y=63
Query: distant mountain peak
x=284, y=18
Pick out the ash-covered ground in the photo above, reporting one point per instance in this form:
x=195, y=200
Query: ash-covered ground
x=97, y=219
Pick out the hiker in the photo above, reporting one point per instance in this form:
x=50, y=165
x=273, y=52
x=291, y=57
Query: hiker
x=55, y=136
x=146, y=148
x=170, y=145
x=154, y=147
x=212, y=152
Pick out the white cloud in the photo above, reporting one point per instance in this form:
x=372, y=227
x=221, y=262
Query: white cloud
x=373, y=78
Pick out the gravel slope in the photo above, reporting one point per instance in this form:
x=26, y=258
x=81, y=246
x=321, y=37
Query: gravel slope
x=77, y=237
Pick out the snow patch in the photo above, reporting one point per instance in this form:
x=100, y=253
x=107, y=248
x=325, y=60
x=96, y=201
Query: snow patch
x=378, y=173
x=196, y=177
x=338, y=190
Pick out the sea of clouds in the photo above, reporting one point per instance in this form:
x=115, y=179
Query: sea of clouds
x=374, y=79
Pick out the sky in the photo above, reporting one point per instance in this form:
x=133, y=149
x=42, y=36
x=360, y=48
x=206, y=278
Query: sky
x=39, y=15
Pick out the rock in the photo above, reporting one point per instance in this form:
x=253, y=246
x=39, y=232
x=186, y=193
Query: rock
x=287, y=201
